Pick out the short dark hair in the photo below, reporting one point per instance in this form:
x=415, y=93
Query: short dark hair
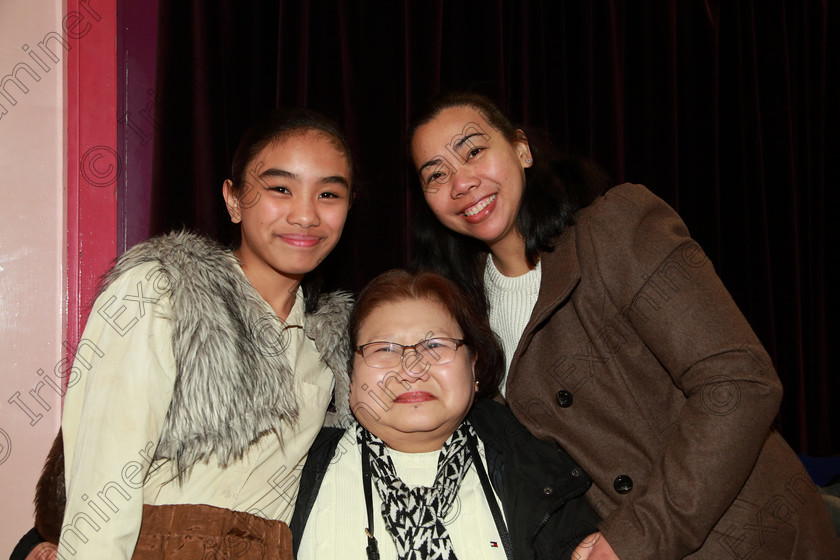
x=400, y=285
x=276, y=126
x=556, y=187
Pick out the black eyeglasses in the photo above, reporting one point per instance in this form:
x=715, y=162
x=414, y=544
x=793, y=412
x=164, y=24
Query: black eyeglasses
x=434, y=351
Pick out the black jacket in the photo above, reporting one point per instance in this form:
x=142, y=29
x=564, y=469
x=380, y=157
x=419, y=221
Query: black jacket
x=541, y=488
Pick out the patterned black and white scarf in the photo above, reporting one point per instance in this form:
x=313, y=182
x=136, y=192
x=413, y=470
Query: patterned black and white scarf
x=414, y=516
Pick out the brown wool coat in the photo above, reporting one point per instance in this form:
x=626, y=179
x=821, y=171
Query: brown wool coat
x=637, y=361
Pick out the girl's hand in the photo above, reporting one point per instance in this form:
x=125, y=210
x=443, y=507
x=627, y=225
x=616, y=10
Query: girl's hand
x=44, y=551
x=594, y=547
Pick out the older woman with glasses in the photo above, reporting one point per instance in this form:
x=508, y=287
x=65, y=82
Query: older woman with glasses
x=438, y=480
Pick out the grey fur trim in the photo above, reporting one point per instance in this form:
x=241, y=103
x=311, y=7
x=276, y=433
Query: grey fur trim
x=328, y=328
x=233, y=382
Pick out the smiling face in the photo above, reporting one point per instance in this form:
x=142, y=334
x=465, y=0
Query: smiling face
x=409, y=412
x=472, y=176
x=292, y=206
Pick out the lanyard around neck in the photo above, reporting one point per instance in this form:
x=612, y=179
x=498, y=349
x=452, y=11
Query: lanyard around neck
x=372, y=547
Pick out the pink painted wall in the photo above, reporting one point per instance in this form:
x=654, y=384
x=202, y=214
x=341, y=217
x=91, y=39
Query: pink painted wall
x=32, y=249
x=58, y=231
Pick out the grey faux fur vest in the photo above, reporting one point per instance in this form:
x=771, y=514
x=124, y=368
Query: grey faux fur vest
x=233, y=382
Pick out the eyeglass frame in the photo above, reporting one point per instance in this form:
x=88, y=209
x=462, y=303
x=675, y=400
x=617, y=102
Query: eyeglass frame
x=458, y=343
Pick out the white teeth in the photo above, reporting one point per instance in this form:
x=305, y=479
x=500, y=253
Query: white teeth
x=479, y=207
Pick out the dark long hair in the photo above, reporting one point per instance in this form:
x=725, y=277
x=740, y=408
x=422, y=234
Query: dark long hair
x=275, y=127
x=556, y=187
x=400, y=285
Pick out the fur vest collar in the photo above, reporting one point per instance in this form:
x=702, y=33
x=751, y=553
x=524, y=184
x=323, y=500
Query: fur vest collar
x=233, y=382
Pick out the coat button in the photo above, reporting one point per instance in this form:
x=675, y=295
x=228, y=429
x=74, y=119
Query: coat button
x=575, y=473
x=548, y=490
x=623, y=484
x=564, y=399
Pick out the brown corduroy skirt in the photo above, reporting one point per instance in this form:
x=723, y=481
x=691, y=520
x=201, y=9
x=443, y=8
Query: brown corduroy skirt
x=201, y=532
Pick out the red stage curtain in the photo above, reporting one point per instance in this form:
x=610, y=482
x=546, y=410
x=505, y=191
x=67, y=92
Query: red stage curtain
x=726, y=109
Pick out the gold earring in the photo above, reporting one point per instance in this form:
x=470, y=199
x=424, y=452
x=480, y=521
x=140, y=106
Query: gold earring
x=476, y=384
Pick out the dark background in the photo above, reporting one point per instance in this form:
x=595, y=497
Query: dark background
x=726, y=109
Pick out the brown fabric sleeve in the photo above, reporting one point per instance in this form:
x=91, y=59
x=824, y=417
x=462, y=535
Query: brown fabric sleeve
x=711, y=354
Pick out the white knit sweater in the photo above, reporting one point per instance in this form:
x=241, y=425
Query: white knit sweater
x=511, y=301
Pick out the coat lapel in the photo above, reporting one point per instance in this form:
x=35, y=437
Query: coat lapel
x=560, y=276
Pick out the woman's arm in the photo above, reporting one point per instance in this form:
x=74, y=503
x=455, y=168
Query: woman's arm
x=119, y=392
x=707, y=350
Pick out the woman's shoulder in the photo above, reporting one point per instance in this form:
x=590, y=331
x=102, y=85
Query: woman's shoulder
x=623, y=202
x=331, y=444
x=156, y=270
x=629, y=220
x=178, y=253
x=496, y=426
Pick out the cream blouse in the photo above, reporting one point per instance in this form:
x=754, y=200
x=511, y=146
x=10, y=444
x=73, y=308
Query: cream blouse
x=118, y=396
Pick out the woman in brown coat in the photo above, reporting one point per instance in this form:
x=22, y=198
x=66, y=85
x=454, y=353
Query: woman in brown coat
x=622, y=346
